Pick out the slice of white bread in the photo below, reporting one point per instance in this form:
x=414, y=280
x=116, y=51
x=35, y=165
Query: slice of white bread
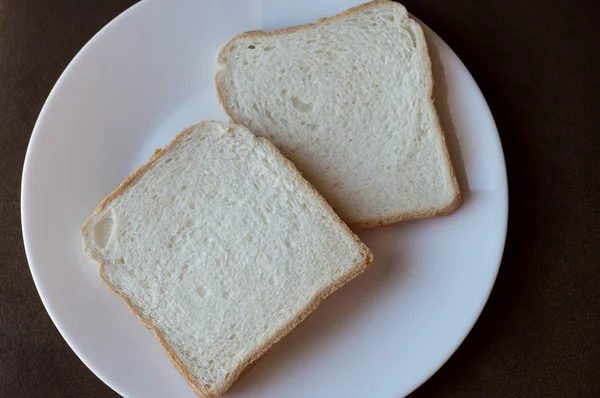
x=221, y=248
x=348, y=100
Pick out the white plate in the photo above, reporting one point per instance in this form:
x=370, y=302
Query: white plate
x=147, y=75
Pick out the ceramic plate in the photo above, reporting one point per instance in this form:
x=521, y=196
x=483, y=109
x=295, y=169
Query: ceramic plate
x=149, y=74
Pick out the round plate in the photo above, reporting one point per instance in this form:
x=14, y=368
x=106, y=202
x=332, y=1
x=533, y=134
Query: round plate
x=149, y=74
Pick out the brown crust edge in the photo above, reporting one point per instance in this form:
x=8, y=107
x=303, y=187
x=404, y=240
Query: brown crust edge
x=286, y=329
x=456, y=201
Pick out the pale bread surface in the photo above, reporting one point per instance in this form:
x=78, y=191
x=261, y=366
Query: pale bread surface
x=348, y=100
x=221, y=248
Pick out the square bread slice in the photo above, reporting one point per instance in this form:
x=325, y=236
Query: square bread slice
x=349, y=100
x=221, y=248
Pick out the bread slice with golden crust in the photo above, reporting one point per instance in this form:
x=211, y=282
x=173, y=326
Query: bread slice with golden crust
x=349, y=100
x=220, y=247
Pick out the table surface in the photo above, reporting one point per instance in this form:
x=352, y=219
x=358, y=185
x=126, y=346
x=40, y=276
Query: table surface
x=536, y=63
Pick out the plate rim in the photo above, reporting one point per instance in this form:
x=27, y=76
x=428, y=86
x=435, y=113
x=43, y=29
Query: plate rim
x=36, y=132
x=27, y=165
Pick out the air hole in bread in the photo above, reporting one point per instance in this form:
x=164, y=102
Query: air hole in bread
x=269, y=116
x=102, y=230
x=298, y=104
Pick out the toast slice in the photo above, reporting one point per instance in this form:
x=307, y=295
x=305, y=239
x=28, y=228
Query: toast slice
x=349, y=100
x=221, y=248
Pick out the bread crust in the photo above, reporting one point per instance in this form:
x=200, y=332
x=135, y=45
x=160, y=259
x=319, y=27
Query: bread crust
x=456, y=201
x=246, y=365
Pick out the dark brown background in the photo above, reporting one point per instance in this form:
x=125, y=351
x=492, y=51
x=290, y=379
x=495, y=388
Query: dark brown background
x=537, y=63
